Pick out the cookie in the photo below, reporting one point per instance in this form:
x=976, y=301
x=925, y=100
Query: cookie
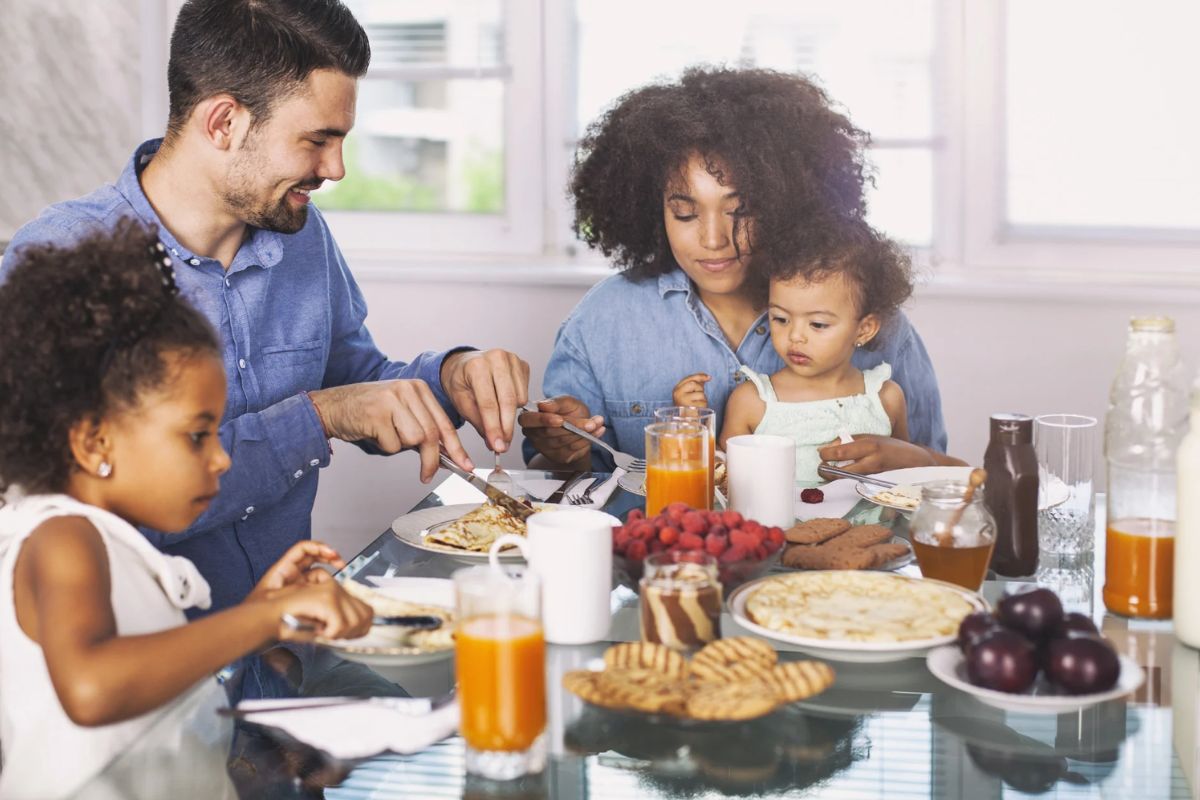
x=732, y=701
x=823, y=557
x=645, y=655
x=862, y=536
x=737, y=649
x=749, y=669
x=883, y=553
x=585, y=685
x=797, y=680
x=643, y=690
x=815, y=531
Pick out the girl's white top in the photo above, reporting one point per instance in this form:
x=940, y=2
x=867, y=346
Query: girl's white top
x=45, y=754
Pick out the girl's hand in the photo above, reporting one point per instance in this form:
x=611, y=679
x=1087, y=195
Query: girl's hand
x=690, y=391
x=326, y=605
x=296, y=567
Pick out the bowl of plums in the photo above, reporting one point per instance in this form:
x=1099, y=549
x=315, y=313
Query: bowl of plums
x=1030, y=656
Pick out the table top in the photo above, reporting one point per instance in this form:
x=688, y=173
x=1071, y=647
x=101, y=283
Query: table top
x=883, y=730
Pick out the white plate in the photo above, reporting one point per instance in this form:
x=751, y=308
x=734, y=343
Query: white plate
x=855, y=652
x=948, y=665
x=634, y=482
x=380, y=648
x=1054, y=494
x=413, y=529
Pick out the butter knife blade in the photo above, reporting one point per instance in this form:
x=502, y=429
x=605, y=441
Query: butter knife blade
x=495, y=496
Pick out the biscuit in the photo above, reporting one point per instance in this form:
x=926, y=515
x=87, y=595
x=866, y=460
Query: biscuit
x=643, y=690
x=585, y=685
x=883, y=553
x=732, y=701
x=645, y=655
x=815, y=531
x=824, y=557
x=862, y=536
x=737, y=649
x=797, y=680
x=749, y=669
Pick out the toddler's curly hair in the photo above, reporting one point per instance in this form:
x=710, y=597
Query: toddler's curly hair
x=796, y=162
x=83, y=332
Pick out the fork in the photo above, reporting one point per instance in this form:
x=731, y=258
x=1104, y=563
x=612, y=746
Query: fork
x=622, y=460
x=503, y=481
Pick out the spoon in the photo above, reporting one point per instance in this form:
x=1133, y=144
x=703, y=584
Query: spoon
x=978, y=476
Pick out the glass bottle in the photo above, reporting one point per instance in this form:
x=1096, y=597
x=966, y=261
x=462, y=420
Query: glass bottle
x=1011, y=493
x=951, y=546
x=1147, y=413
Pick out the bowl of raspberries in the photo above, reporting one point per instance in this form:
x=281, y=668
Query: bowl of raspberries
x=744, y=549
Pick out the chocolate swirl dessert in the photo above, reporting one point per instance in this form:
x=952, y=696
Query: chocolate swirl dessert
x=681, y=603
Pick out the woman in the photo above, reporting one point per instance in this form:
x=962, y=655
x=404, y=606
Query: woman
x=686, y=186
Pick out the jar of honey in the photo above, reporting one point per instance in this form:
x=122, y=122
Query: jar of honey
x=952, y=543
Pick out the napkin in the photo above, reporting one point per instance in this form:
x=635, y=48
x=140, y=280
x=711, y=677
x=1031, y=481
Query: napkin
x=357, y=730
x=600, y=494
x=840, y=497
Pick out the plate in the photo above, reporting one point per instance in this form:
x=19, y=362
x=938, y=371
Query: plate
x=1053, y=494
x=854, y=652
x=379, y=647
x=948, y=665
x=415, y=526
x=634, y=482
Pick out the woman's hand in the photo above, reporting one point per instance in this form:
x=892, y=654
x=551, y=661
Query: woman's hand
x=295, y=567
x=544, y=429
x=690, y=391
x=326, y=606
x=869, y=453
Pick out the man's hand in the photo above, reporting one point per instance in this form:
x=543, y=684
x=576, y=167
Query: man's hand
x=871, y=453
x=690, y=391
x=544, y=429
x=395, y=415
x=487, y=388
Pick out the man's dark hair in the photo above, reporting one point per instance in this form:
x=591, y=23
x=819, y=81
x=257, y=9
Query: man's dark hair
x=258, y=51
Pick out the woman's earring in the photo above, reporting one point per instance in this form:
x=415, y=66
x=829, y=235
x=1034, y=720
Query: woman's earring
x=104, y=470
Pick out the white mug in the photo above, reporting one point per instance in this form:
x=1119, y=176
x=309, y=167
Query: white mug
x=570, y=550
x=762, y=477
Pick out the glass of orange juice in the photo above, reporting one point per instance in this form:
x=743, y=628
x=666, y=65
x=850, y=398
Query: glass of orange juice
x=678, y=459
x=706, y=417
x=500, y=665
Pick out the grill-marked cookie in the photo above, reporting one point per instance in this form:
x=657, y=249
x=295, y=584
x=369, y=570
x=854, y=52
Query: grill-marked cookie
x=734, y=650
x=645, y=655
x=748, y=670
x=585, y=685
x=643, y=689
x=732, y=701
x=815, y=531
x=797, y=680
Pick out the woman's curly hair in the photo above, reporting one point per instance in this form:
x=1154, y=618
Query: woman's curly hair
x=83, y=332
x=877, y=269
x=796, y=162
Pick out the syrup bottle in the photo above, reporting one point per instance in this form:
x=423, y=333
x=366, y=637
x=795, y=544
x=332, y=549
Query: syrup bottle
x=1011, y=494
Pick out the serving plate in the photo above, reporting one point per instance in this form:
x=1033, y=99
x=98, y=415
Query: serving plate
x=911, y=480
x=384, y=646
x=948, y=665
x=414, y=528
x=842, y=650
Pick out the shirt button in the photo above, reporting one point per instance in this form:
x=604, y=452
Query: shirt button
x=298, y=474
x=241, y=363
x=227, y=283
x=249, y=509
x=760, y=330
x=195, y=262
x=314, y=462
x=245, y=518
x=636, y=408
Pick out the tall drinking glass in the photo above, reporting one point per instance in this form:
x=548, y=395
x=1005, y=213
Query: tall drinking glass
x=500, y=664
x=1066, y=453
x=706, y=417
x=677, y=465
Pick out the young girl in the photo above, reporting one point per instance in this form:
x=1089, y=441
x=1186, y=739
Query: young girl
x=111, y=391
x=820, y=312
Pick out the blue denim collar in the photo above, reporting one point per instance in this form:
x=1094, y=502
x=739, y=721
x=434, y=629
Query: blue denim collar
x=674, y=281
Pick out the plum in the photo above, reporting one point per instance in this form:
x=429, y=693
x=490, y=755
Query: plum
x=1002, y=660
x=1076, y=623
x=1036, y=613
x=974, y=627
x=1082, y=665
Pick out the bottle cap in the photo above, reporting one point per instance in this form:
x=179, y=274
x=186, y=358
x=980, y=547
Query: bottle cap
x=1152, y=324
x=1012, y=428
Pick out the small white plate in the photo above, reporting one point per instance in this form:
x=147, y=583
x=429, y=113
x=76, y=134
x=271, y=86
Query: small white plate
x=948, y=665
x=1053, y=494
x=382, y=646
x=854, y=652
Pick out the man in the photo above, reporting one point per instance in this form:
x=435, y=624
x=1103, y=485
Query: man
x=262, y=95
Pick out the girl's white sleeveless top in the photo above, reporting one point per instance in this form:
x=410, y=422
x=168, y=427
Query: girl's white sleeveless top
x=45, y=754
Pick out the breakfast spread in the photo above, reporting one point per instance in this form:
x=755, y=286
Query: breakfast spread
x=681, y=601
x=476, y=530
x=835, y=544
x=729, y=679
x=856, y=607
x=385, y=606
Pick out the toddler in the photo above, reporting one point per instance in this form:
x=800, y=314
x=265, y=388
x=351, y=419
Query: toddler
x=111, y=391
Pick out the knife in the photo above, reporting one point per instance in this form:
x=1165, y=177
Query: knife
x=826, y=470
x=558, y=494
x=420, y=622
x=505, y=501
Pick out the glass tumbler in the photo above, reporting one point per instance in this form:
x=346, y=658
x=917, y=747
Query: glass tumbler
x=677, y=466
x=1066, y=453
x=706, y=417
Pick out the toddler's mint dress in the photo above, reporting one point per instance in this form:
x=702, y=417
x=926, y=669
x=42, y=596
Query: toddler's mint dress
x=814, y=423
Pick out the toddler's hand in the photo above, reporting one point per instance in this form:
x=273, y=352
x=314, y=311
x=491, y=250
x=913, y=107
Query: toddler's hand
x=296, y=567
x=690, y=391
x=326, y=606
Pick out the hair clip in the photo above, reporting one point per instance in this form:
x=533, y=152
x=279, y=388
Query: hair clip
x=158, y=254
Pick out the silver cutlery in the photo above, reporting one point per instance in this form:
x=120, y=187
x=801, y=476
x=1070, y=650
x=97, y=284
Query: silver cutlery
x=414, y=706
x=623, y=460
x=418, y=622
x=503, y=481
x=570, y=483
x=510, y=504
x=827, y=470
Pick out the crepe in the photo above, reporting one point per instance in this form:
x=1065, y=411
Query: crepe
x=476, y=530
x=901, y=496
x=387, y=606
x=857, y=607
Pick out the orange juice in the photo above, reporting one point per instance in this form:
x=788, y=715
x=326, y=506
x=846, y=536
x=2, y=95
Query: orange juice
x=500, y=663
x=666, y=485
x=1139, y=567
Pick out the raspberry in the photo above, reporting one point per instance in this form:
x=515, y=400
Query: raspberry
x=641, y=530
x=718, y=529
x=735, y=553
x=621, y=537
x=812, y=496
x=669, y=535
x=635, y=515
x=714, y=544
x=690, y=541
x=771, y=545
x=743, y=538
x=636, y=551
x=775, y=535
x=657, y=546
x=695, y=522
x=732, y=519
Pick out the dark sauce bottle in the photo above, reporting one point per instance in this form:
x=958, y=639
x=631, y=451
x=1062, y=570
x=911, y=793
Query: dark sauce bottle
x=1011, y=494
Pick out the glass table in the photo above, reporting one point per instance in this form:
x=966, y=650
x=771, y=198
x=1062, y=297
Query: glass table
x=883, y=730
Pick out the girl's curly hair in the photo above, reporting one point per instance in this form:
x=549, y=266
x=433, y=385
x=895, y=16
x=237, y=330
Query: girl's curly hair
x=796, y=162
x=83, y=332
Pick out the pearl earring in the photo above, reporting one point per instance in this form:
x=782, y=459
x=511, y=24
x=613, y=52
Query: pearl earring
x=104, y=470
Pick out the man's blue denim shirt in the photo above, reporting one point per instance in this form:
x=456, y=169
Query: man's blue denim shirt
x=625, y=346
x=291, y=319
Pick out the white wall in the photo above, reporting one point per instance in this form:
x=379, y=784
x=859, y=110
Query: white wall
x=1028, y=350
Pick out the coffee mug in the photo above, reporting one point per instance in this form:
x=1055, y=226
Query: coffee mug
x=762, y=477
x=570, y=550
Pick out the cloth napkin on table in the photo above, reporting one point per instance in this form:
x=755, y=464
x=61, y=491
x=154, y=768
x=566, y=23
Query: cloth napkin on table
x=840, y=497
x=357, y=730
x=600, y=494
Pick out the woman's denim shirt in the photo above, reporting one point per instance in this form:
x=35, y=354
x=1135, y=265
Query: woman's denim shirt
x=625, y=346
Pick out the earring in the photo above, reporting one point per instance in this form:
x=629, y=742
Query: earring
x=104, y=470
x=858, y=344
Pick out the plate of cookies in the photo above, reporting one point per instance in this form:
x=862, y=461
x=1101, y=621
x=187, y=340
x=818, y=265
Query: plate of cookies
x=729, y=680
x=828, y=543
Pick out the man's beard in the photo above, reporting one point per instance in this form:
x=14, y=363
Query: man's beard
x=272, y=215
